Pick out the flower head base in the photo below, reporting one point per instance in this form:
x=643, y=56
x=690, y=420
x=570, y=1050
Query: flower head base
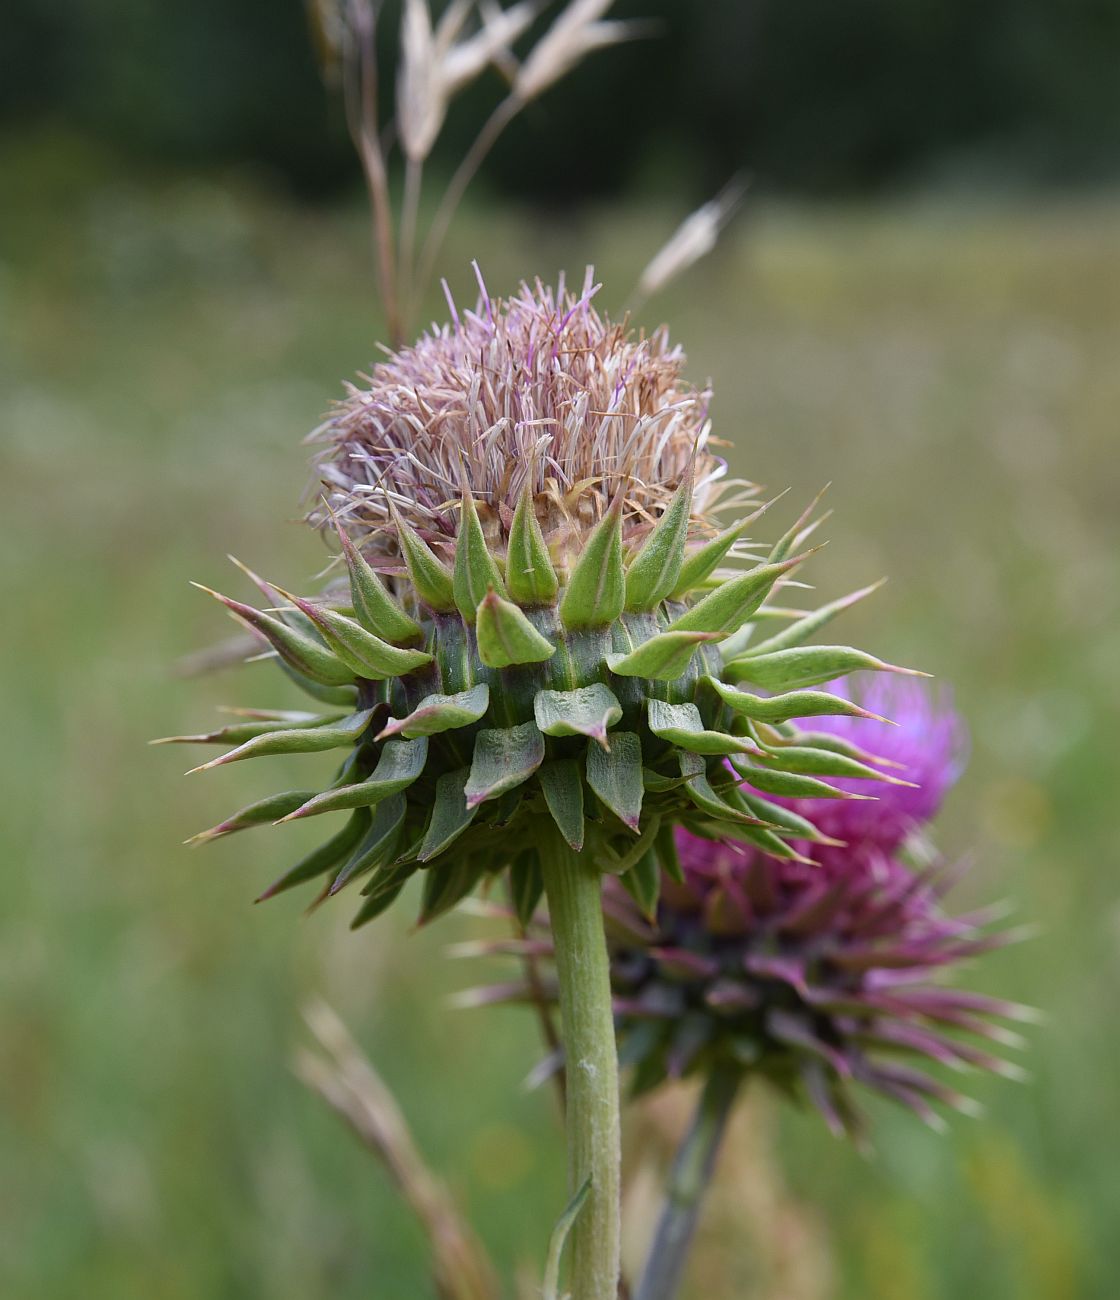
x=541, y=628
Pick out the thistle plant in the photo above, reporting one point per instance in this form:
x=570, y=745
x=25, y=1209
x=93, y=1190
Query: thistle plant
x=817, y=979
x=542, y=654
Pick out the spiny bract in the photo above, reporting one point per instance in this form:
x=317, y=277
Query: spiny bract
x=542, y=624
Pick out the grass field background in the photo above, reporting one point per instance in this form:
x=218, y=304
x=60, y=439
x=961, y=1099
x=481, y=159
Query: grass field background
x=164, y=343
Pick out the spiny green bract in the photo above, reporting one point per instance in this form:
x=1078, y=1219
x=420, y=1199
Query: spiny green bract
x=479, y=702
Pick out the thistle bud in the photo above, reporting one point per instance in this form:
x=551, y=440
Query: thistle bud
x=543, y=621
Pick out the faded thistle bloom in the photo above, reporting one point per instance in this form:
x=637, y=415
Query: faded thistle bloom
x=820, y=977
x=537, y=619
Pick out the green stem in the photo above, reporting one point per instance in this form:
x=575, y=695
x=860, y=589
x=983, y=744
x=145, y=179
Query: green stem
x=688, y=1181
x=573, y=886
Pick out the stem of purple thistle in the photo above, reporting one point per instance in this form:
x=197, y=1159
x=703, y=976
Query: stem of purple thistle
x=688, y=1181
x=573, y=886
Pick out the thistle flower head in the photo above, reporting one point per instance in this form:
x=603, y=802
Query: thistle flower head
x=538, y=392
x=542, y=632
x=817, y=977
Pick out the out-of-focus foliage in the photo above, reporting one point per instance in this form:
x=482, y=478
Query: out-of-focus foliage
x=814, y=96
x=163, y=345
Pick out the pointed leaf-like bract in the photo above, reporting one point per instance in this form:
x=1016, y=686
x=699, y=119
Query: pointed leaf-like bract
x=300, y=651
x=366, y=654
x=596, y=590
x=789, y=785
x=305, y=740
x=398, y=765
x=436, y=713
x=476, y=573
x=799, y=632
x=794, y=669
x=789, y=540
x=824, y=762
x=616, y=777
x=699, y=790
x=450, y=814
x=793, y=704
x=378, y=845
x=374, y=608
x=504, y=757
x=237, y=733
x=733, y=601
x=530, y=577
x=563, y=793
x=434, y=584
x=663, y=658
x=586, y=711
x=262, y=812
x=653, y=573
x=642, y=882
x=526, y=885
x=506, y=637
x=447, y=885
x=682, y=725
x=323, y=859
x=386, y=885
x=701, y=564
x=794, y=824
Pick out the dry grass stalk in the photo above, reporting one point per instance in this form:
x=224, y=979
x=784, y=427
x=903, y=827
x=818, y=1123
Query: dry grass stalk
x=353, y=1089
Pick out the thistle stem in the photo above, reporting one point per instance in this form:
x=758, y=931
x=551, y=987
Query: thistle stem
x=572, y=884
x=688, y=1181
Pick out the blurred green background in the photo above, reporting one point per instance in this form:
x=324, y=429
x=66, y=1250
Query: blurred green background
x=169, y=328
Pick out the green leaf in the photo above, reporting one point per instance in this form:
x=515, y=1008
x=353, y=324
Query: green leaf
x=366, y=654
x=379, y=844
x=436, y=713
x=616, y=777
x=504, y=757
x=789, y=785
x=799, y=632
x=398, y=766
x=476, y=573
x=699, y=790
x=735, y=600
x=346, y=696
x=322, y=859
x=682, y=725
x=374, y=608
x=559, y=1237
x=450, y=814
x=701, y=564
x=529, y=573
x=386, y=885
x=563, y=794
x=307, y=656
x=795, y=704
x=643, y=883
x=432, y=581
x=654, y=571
x=446, y=885
x=506, y=637
x=525, y=883
x=263, y=812
x=596, y=590
x=309, y=740
x=794, y=669
x=663, y=658
x=586, y=711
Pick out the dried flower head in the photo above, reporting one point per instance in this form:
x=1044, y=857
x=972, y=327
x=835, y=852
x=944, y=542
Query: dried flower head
x=542, y=627
x=539, y=393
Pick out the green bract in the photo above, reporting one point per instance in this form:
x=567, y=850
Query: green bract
x=513, y=682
